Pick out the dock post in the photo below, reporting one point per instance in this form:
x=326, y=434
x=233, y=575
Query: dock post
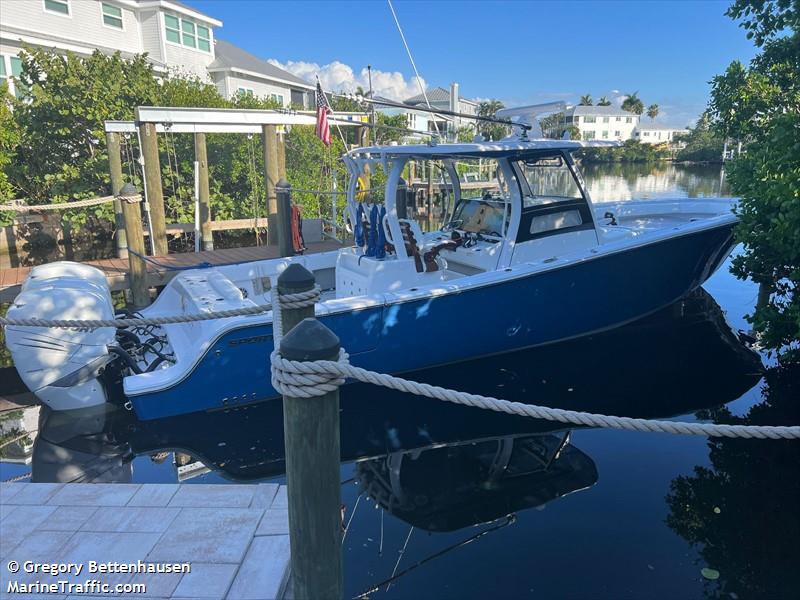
x=201, y=156
x=129, y=199
x=283, y=192
x=269, y=140
x=115, y=168
x=282, y=153
x=154, y=194
x=311, y=438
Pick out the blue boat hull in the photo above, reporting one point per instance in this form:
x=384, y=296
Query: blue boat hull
x=568, y=302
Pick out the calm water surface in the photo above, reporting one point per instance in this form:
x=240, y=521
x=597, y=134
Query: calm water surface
x=452, y=502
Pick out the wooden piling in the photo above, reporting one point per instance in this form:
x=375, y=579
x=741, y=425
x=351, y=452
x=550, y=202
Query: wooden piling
x=311, y=438
x=154, y=194
x=282, y=153
x=130, y=200
x=269, y=140
x=201, y=156
x=115, y=168
x=284, y=220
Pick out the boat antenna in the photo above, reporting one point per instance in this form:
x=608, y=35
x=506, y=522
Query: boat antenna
x=411, y=58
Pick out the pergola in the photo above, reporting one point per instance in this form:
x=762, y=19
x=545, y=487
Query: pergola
x=153, y=120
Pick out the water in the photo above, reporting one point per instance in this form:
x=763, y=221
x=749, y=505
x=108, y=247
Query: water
x=452, y=502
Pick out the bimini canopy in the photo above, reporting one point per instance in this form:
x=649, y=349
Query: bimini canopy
x=509, y=148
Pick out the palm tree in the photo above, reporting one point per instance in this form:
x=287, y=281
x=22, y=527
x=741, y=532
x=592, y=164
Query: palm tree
x=652, y=111
x=603, y=101
x=586, y=100
x=491, y=131
x=633, y=103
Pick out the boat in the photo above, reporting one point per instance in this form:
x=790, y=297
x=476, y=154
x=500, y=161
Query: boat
x=522, y=259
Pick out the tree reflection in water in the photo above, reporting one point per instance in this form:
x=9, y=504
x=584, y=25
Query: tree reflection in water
x=742, y=512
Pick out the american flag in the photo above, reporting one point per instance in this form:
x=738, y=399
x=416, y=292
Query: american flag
x=323, y=110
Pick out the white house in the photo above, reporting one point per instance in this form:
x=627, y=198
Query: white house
x=441, y=98
x=602, y=122
x=175, y=37
x=650, y=133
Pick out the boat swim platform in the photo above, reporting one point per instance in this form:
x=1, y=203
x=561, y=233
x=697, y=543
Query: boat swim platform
x=116, y=269
x=235, y=538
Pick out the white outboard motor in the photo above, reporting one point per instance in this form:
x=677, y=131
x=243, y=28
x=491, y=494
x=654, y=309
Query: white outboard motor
x=60, y=366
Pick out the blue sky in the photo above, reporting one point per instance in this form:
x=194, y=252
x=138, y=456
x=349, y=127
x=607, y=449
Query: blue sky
x=520, y=52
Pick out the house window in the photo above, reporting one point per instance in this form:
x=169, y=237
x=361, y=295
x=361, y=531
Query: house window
x=646, y=134
x=243, y=91
x=173, y=29
x=589, y=119
x=10, y=73
x=576, y=120
x=186, y=33
x=617, y=134
x=588, y=135
x=605, y=135
x=605, y=119
x=189, y=39
x=112, y=16
x=203, y=38
x=57, y=6
x=629, y=119
x=619, y=119
x=277, y=98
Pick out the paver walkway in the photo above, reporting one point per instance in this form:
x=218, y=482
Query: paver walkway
x=235, y=537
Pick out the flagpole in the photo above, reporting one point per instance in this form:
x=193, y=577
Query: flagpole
x=328, y=102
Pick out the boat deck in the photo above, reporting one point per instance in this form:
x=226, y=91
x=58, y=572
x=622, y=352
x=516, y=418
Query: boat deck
x=116, y=269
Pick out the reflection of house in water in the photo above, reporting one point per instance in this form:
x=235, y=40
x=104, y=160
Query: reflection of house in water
x=18, y=431
x=609, y=182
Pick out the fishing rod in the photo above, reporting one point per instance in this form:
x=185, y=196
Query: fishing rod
x=437, y=111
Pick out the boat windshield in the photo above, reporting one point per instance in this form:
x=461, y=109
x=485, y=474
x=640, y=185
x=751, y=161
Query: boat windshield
x=484, y=200
x=546, y=180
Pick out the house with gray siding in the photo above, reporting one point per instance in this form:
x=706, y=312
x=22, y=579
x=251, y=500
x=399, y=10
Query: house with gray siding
x=176, y=38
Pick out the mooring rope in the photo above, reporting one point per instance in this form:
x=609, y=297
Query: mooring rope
x=301, y=379
x=26, y=208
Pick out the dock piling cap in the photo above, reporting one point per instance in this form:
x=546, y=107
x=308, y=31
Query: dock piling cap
x=295, y=278
x=310, y=340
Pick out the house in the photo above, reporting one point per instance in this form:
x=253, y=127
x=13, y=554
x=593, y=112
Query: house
x=441, y=98
x=176, y=38
x=602, y=122
x=650, y=133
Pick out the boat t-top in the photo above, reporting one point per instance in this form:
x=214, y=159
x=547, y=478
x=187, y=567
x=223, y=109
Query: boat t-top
x=522, y=258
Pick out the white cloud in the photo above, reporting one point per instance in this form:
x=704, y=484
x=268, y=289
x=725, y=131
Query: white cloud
x=338, y=76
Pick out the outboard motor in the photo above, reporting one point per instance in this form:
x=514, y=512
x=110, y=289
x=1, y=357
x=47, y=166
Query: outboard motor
x=61, y=366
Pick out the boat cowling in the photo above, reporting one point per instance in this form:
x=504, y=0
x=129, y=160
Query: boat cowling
x=60, y=366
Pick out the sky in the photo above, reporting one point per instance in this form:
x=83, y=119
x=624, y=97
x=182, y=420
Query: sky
x=519, y=52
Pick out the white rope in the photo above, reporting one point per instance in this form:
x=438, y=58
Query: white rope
x=134, y=321
x=308, y=379
x=27, y=208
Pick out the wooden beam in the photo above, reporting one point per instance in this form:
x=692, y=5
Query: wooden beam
x=154, y=194
x=201, y=156
x=115, y=168
x=269, y=140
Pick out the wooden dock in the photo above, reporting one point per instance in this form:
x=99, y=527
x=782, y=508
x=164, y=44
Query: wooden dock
x=116, y=269
x=234, y=538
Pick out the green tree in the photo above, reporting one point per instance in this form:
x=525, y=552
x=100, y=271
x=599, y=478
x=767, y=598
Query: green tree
x=491, y=131
x=760, y=106
x=586, y=100
x=61, y=154
x=633, y=103
x=603, y=101
x=704, y=142
x=652, y=111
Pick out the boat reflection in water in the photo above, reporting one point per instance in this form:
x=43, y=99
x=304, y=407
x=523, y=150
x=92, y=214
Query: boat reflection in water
x=678, y=360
